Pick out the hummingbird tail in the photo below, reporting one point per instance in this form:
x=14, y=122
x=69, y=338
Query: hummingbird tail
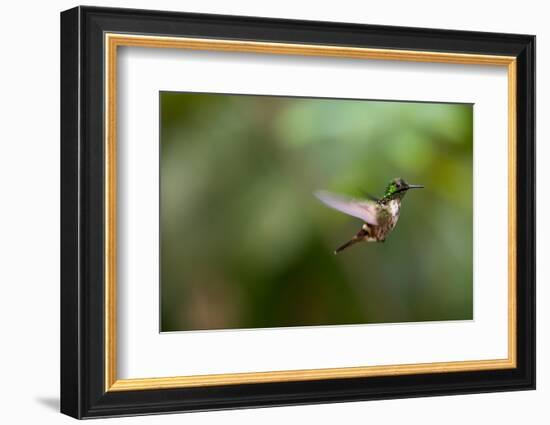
x=346, y=245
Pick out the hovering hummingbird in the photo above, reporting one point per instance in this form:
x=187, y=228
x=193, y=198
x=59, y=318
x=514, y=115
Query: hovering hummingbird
x=379, y=215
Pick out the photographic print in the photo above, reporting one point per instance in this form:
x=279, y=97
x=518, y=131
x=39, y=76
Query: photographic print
x=287, y=211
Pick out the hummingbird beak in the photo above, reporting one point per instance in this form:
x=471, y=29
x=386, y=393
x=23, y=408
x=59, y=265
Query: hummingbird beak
x=415, y=186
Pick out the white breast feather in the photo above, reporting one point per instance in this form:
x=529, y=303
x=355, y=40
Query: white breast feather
x=394, y=207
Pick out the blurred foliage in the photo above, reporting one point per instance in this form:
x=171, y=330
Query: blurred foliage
x=245, y=244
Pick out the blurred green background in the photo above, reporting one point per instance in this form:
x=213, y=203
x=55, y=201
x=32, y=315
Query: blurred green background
x=245, y=244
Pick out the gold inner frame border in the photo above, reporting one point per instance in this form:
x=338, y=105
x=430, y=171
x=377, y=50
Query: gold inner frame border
x=113, y=40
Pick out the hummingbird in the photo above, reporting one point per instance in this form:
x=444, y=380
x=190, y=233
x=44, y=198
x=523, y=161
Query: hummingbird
x=379, y=215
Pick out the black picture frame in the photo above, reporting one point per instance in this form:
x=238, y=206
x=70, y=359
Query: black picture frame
x=83, y=392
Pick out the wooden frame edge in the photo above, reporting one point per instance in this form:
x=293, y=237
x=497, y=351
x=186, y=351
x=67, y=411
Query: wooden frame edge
x=114, y=40
x=306, y=375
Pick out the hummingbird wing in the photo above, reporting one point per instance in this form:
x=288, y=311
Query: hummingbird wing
x=360, y=208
